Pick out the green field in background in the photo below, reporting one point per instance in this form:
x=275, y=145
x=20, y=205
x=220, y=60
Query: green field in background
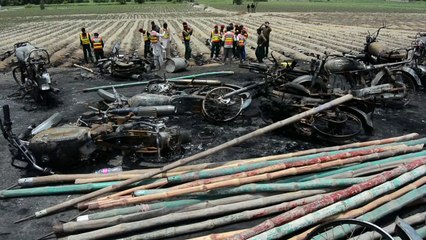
x=324, y=6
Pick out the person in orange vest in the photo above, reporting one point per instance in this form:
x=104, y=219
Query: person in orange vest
x=147, y=42
x=98, y=46
x=228, y=44
x=215, y=38
x=85, y=43
x=241, y=42
x=166, y=40
x=186, y=34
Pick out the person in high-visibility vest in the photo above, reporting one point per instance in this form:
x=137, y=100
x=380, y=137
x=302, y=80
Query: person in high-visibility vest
x=166, y=40
x=228, y=44
x=186, y=34
x=98, y=46
x=215, y=39
x=85, y=43
x=241, y=42
x=147, y=42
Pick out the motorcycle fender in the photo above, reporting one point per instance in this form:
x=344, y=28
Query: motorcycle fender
x=302, y=79
x=366, y=118
x=413, y=75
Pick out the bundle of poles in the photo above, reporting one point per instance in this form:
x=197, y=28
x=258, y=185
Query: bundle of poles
x=365, y=180
x=277, y=197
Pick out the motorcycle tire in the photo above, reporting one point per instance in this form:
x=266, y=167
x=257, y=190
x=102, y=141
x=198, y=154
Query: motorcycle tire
x=17, y=75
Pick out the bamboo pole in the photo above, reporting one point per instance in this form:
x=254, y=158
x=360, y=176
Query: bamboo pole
x=246, y=180
x=189, y=204
x=179, y=217
x=262, y=229
x=69, y=189
x=265, y=167
x=235, y=141
x=370, y=206
x=279, y=187
x=122, y=177
x=61, y=178
x=273, y=187
x=386, y=209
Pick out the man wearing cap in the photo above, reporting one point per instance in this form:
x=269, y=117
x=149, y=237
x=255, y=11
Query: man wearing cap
x=215, y=39
x=186, y=35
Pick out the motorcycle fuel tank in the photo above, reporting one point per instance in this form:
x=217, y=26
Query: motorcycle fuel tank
x=342, y=64
x=63, y=146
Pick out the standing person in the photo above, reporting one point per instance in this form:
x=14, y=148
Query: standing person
x=253, y=8
x=154, y=27
x=186, y=34
x=166, y=40
x=157, y=49
x=266, y=33
x=98, y=46
x=260, y=49
x=228, y=44
x=85, y=43
x=215, y=38
x=248, y=8
x=241, y=41
x=235, y=48
x=147, y=42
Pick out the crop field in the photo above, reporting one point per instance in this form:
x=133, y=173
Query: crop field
x=295, y=35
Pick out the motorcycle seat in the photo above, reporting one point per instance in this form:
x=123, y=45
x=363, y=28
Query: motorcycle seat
x=124, y=65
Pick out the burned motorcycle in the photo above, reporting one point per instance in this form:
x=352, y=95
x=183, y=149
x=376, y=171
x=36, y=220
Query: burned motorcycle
x=118, y=66
x=346, y=74
x=46, y=147
x=285, y=100
x=376, y=52
x=31, y=73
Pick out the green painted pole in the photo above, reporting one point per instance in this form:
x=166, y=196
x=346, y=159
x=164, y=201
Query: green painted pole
x=359, y=199
x=272, y=187
x=63, y=189
x=401, y=158
x=133, y=84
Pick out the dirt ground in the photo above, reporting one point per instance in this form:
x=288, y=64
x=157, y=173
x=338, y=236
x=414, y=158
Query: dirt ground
x=72, y=102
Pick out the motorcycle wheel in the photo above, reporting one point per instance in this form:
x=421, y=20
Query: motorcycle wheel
x=17, y=75
x=220, y=109
x=337, y=125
